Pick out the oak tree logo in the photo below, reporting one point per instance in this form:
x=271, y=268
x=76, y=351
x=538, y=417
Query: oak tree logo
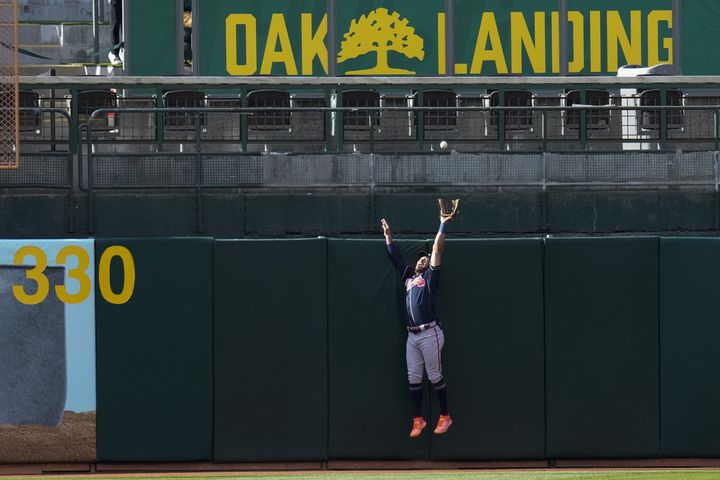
x=380, y=32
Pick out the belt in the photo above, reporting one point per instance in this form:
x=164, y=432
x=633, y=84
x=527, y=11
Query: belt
x=421, y=328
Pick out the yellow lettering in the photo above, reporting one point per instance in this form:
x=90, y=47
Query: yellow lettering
x=616, y=34
x=78, y=273
x=520, y=36
x=35, y=274
x=232, y=22
x=128, y=273
x=595, y=61
x=555, y=32
x=488, y=31
x=441, y=42
x=278, y=31
x=313, y=45
x=578, y=62
x=654, y=19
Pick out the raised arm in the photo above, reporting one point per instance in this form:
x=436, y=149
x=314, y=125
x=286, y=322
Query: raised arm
x=439, y=244
x=393, y=251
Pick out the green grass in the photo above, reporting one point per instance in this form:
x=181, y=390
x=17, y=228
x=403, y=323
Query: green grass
x=664, y=474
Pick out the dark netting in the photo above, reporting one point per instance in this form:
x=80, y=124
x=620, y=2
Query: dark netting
x=454, y=169
x=156, y=170
x=39, y=170
x=646, y=167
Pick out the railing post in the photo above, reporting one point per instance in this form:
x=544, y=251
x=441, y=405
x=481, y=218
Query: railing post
x=244, y=121
x=421, y=120
x=543, y=129
x=90, y=172
x=663, y=119
x=74, y=134
x=583, y=120
x=328, y=117
x=716, y=129
x=501, y=119
x=70, y=219
x=545, y=208
x=716, y=189
x=159, y=121
x=371, y=119
x=339, y=122
x=198, y=172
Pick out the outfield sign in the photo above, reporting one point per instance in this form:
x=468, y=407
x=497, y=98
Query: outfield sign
x=395, y=37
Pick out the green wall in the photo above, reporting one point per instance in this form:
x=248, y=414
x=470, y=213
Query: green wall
x=689, y=357
x=293, y=350
x=491, y=306
x=154, y=354
x=601, y=338
x=273, y=215
x=271, y=361
x=369, y=412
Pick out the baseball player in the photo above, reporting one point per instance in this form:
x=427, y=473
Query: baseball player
x=425, y=337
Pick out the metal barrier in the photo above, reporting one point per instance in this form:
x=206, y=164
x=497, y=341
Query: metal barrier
x=397, y=129
x=45, y=151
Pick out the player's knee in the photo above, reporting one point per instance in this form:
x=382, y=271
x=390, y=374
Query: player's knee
x=435, y=376
x=414, y=378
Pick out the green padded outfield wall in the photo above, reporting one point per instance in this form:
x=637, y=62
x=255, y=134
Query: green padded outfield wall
x=602, y=365
x=491, y=307
x=369, y=410
x=270, y=350
x=154, y=353
x=689, y=354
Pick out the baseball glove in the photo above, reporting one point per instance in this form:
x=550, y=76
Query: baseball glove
x=449, y=208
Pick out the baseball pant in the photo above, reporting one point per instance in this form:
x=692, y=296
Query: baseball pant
x=423, y=352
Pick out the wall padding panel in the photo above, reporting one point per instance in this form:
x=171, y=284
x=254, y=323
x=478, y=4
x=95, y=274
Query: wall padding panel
x=602, y=364
x=270, y=350
x=689, y=353
x=491, y=307
x=154, y=354
x=370, y=416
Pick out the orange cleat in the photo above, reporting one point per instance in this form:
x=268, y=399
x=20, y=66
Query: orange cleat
x=418, y=424
x=443, y=424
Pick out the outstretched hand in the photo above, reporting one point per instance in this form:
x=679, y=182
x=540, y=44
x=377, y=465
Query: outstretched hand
x=446, y=218
x=386, y=231
x=385, y=227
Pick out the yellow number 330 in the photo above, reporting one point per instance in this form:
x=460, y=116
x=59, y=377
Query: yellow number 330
x=79, y=273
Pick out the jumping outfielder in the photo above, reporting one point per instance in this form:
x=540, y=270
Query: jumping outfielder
x=425, y=337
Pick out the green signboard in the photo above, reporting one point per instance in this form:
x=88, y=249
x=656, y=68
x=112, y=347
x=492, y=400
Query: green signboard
x=700, y=37
x=396, y=37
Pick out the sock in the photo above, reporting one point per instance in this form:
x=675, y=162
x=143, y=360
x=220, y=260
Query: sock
x=441, y=391
x=416, y=399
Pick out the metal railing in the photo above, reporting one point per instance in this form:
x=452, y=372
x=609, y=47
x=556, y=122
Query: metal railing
x=406, y=129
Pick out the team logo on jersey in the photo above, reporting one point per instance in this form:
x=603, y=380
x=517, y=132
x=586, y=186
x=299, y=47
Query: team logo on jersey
x=414, y=282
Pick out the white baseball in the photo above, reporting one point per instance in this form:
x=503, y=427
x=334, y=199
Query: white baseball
x=443, y=145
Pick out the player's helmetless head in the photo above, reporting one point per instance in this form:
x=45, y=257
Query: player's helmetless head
x=422, y=264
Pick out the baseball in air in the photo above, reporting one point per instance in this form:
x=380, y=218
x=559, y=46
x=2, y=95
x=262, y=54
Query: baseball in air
x=443, y=145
